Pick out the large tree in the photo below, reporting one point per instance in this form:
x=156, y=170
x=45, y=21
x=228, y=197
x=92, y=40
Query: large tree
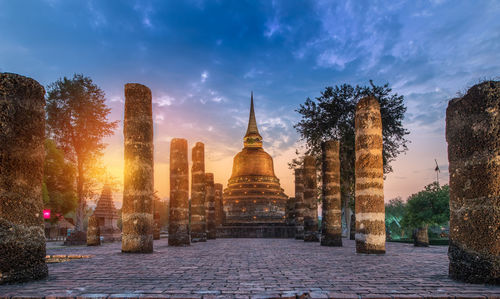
x=59, y=181
x=331, y=116
x=77, y=121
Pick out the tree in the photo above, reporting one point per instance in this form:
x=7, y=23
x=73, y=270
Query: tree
x=394, y=212
x=58, y=181
x=430, y=206
x=331, y=116
x=77, y=121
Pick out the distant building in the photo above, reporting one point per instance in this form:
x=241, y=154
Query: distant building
x=107, y=216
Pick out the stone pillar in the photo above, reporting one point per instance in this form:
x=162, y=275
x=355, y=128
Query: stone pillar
x=157, y=226
x=369, y=203
x=178, y=227
x=473, y=136
x=198, y=220
x=299, y=204
x=310, y=200
x=210, y=205
x=290, y=211
x=138, y=189
x=331, y=224
x=421, y=237
x=352, y=231
x=93, y=232
x=22, y=153
x=218, y=204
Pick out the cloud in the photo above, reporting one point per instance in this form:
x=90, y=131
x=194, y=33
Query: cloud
x=204, y=76
x=164, y=100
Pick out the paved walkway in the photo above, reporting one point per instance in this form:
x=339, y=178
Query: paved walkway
x=251, y=268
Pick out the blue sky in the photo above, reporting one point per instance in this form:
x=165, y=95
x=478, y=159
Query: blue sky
x=201, y=59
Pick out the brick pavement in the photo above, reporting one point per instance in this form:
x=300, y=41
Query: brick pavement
x=251, y=268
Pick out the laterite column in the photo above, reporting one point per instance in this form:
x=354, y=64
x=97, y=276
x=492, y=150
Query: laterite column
x=22, y=153
x=299, y=204
x=310, y=200
x=473, y=136
x=218, y=204
x=178, y=227
x=198, y=220
x=93, y=232
x=369, y=204
x=331, y=224
x=210, y=205
x=138, y=189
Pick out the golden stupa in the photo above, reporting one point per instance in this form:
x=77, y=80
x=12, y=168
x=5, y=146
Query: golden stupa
x=253, y=193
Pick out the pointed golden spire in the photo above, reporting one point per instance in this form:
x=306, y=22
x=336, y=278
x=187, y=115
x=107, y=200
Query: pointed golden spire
x=252, y=137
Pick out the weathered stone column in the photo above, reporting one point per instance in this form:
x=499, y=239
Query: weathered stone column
x=198, y=220
x=352, y=231
x=178, y=227
x=310, y=200
x=138, y=189
x=421, y=237
x=473, y=136
x=157, y=226
x=369, y=203
x=299, y=204
x=331, y=224
x=219, y=213
x=93, y=232
x=22, y=153
x=210, y=205
x=290, y=211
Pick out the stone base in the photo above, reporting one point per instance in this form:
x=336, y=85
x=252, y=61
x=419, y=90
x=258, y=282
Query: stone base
x=473, y=267
x=333, y=241
x=76, y=238
x=256, y=230
x=22, y=251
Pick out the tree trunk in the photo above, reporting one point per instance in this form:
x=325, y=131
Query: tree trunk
x=352, y=233
x=80, y=208
x=421, y=237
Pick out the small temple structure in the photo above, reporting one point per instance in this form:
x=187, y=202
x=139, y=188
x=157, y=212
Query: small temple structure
x=107, y=216
x=253, y=194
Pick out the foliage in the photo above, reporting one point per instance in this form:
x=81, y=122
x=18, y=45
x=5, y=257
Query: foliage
x=428, y=207
x=332, y=115
x=394, y=212
x=77, y=121
x=59, y=177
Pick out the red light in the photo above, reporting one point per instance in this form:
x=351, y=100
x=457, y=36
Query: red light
x=46, y=214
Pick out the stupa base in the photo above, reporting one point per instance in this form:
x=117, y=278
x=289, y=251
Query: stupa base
x=256, y=230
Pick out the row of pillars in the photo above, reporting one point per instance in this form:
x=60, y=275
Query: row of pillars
x=370, y=209
x=194, y=221
x=472, y=133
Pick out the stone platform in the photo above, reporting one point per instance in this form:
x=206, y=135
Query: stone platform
x=264, y=230
x=250, y=268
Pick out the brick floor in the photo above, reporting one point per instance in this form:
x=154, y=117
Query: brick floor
x=259, y=268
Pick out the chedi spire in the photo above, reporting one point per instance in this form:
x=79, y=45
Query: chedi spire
x=252, y=137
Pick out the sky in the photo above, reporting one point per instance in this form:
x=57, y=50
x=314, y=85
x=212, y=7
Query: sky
x=201, y=59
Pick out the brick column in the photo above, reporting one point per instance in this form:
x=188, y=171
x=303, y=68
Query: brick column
x=331, y=224
x=370, y=209
x=138, y=189
x=210, y=205
x=299, y=204
x=93, y=232
x=178, y=228
x=310, y=200
x=22, y=153
x=473, y=136
x=219, y=213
